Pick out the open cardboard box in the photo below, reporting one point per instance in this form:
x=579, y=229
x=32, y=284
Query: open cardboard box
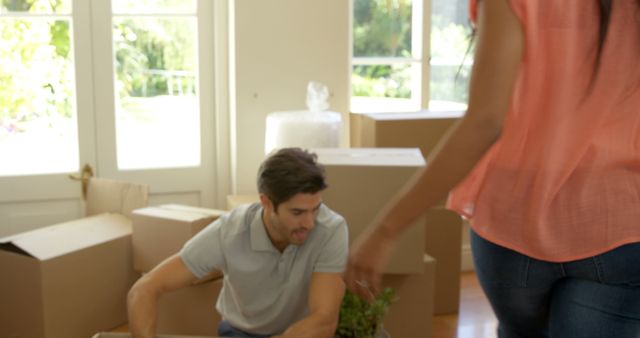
x=67, y=280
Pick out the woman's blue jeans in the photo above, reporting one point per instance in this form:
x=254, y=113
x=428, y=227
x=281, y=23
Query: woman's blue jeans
x=226, y=330
x=596, y=297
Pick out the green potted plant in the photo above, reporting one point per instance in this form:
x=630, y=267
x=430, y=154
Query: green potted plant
x=361, y=319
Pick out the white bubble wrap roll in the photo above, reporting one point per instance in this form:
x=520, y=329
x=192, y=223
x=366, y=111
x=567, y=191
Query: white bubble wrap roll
x=303, y=129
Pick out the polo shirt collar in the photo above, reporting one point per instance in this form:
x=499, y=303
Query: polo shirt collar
x=260, y=240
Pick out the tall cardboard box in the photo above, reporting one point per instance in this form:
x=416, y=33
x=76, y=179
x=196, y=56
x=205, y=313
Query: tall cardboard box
x=410, y=315
x=67, y=280
x=191, y=311
x=422, y=129
x=361, y=182
x=443, y=235
x=161, y=231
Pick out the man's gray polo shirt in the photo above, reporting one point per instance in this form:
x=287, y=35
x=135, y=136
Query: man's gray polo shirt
x=265, y=291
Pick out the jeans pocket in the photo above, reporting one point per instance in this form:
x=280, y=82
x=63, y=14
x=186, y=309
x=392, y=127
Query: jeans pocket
x=620, y=266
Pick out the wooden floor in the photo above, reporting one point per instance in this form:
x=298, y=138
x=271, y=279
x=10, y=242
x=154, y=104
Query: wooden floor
x=475, y=319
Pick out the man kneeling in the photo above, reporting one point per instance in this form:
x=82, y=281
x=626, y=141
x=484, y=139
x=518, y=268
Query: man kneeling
x=282, y=259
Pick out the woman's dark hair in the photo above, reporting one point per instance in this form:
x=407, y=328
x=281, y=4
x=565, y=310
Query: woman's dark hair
x=605, y=17
x=288, y=172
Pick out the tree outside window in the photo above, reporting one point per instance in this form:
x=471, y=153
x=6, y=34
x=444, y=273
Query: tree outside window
x=386, y=65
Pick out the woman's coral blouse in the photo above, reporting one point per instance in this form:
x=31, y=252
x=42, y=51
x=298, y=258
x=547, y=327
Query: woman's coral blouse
x=563, y=181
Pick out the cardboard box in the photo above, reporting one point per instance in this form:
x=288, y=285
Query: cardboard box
x=411, y=313
x=238, y=200
x=361, y=182
x=67, y=280
x=161, y=231
x=128, y=335
x=105, y=195
x=443, y=238
x=190, y=311
x=422, y=129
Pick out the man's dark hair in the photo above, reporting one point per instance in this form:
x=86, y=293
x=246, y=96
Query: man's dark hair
x=290, y=171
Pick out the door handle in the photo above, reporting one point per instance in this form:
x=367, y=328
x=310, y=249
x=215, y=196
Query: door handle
x=85, y=175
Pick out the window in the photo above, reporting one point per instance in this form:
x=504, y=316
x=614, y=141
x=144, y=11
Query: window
x=153, y=46
x=388, y=63
x=155, y=58
x=38, y=113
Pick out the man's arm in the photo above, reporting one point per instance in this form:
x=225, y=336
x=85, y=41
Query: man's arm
x=325, y=296
x=142, y=301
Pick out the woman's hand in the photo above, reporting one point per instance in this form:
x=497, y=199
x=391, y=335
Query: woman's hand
x=368, y=256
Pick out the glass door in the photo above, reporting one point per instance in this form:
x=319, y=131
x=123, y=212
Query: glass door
x=123, y=86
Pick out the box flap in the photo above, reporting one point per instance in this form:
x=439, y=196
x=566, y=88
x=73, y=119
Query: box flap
x=176, y=212
x=425, y=114
x=203, y=211
x=399, y=157
x=60, y=239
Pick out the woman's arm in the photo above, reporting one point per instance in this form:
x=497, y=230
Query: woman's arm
x=498, y=56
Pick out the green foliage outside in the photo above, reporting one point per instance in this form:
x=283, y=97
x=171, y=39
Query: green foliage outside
x=36, y=73
x=382, y=28
x=361, y=319
x=163, y=46
x=382, y=81
x=450, y=43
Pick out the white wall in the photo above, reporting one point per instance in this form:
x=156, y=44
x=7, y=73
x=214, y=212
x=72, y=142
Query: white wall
x=277, y=47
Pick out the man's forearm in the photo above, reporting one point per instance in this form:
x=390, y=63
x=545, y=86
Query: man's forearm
x=314, y=326
x=142, y=309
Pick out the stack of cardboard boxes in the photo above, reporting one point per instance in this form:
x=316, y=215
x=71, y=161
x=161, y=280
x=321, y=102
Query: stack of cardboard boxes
x=361, y=182
x=423, y=129
x=71, y=280
x=160, y=232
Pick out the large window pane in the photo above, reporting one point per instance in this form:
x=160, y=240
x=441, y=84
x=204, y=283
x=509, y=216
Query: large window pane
x=157, y=115
x=382, y=28
x=450, y=61
x=386, y=73
x=38, y=124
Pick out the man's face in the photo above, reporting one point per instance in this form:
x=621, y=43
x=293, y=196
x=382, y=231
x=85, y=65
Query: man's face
x=293, y=220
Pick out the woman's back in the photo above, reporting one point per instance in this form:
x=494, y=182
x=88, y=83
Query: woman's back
x=563, y=180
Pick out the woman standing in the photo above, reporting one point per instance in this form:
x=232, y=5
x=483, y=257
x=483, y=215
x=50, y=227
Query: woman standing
x=546, y=167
